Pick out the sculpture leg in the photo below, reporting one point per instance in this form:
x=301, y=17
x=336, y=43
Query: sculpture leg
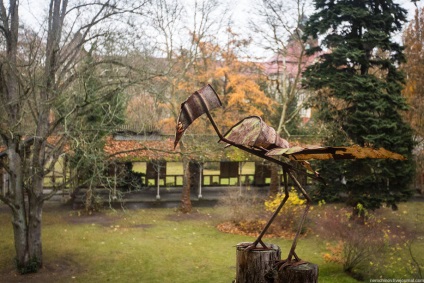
x=292, y=253
x=286, y=196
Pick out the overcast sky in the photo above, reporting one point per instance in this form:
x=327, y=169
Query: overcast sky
x=241, y=10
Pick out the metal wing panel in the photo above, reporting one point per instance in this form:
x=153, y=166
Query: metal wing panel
x=245, y=132
x=254, y=133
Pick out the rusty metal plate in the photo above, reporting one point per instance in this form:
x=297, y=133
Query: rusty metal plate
x=340, y=152
x=253, y=132
x=197, y=104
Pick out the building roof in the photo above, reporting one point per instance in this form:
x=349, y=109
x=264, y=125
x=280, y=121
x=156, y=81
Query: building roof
x=201, y=148
x=140, y=150
x=290, y=60
x=133, y=148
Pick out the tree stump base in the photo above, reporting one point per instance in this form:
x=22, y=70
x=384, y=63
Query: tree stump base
x=303, y=273
x=253, y=265
x=259, y=265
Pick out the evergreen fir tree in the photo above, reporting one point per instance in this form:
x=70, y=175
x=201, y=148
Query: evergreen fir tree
x=100, y=115
x=359, y=97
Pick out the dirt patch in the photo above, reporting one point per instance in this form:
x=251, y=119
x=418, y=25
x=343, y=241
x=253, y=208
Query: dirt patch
x=189, y=216
x=95, y=218
x=253, y=229
x=61, y=270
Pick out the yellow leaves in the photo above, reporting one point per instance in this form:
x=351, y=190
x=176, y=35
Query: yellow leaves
x=184, y=87
x=222, y=71
x=236, y=97
x=292, y=202
x=242, y=96
x=362, y=210
x=414, y=70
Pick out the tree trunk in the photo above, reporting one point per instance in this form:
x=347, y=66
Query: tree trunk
x=27, y=236
x=19, y=223
x=35, y=248
x=35, y=194
x=255, y=266
x=185, y=205
x=19, y=220
x=274, y=186
x=262, y=266
x=194, y=168
x=26, y=221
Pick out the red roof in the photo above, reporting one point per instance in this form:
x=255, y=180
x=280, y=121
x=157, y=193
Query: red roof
x=275, y=65
x=141, y=150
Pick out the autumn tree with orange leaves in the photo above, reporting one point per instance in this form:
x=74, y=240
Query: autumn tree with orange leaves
x=413, y=38
x=204, y=61
x=181, y=64
x=191, y=55
x=238, y=84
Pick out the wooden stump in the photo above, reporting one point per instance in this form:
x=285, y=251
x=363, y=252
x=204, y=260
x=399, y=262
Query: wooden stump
x=303, y=273
x=253, y=265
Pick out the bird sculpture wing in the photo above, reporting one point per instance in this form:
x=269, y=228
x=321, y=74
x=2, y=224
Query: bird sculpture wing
x=200, y=102
x=253, y=132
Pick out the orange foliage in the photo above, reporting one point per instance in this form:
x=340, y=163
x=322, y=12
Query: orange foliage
x=414, y=68
x=236, y=82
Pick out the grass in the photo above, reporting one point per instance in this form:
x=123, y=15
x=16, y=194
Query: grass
x=152, y=245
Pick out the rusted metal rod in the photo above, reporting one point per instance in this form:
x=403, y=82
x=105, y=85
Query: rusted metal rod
x=286, y=192
x=302, y=221
x=299, y=186
x=299, y=229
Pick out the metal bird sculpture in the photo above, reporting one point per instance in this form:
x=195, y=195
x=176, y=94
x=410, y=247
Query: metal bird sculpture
x=254, y=136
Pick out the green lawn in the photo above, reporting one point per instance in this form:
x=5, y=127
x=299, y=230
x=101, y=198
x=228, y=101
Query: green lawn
x=149, y=245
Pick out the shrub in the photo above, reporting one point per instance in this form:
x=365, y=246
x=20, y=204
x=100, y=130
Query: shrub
x=242, y=207
x=249, y=214
x=355, y=243
x=374, y=248
x=289, y=214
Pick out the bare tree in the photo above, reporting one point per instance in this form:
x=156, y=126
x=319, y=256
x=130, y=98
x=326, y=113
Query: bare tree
x=44, y=93
x=181, y=30
x=279, y=26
